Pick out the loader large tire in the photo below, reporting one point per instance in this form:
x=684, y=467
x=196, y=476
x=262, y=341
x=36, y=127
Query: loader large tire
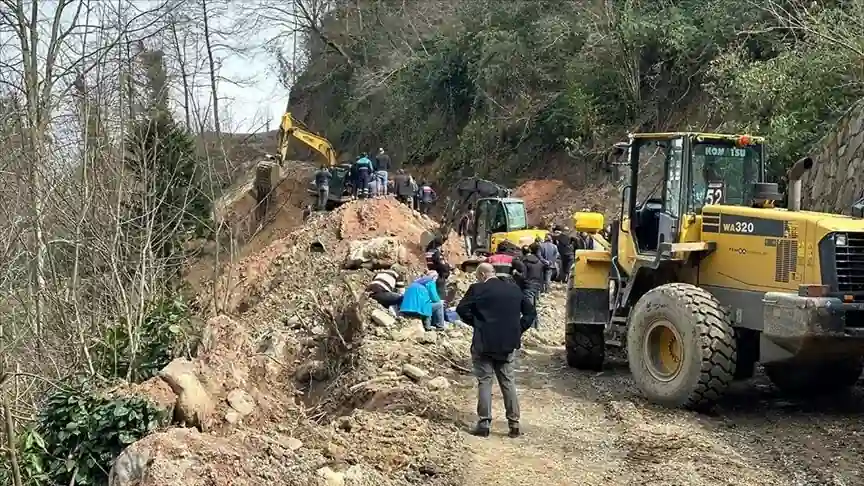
x=819, y=378
x=681, y=346
x=586, y=346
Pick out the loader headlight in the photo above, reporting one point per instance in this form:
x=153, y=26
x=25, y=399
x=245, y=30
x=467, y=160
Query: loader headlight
x=840, y=239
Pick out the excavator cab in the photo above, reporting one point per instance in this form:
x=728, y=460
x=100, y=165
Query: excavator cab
x=499, y=219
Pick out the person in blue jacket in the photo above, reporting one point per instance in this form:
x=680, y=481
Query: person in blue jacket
x=421, y=300
x=364, y=169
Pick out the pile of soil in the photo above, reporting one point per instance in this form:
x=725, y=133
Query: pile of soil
x=388, y=217
x=306, y=377
x=551, y=201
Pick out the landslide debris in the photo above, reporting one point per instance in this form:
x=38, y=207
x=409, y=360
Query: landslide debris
x=302, y=380
x=552, y=201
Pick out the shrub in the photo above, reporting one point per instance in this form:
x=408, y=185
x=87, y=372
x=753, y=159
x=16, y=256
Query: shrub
x=166, y=332
x=80, y=432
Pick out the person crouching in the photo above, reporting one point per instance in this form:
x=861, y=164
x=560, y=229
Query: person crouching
x=421, y=300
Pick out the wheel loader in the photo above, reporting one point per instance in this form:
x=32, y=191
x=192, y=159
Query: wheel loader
x=703, y=277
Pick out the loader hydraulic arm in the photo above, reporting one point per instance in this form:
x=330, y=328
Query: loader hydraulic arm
x=291, y=127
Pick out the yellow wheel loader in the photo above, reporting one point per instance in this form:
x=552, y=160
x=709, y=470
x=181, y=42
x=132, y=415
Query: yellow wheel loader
x=703, y=277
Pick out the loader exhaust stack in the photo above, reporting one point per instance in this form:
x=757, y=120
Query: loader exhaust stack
x=794, y=178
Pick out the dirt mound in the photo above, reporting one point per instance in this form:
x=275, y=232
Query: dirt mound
x=311, y=257
x=311, y=372
x=388, y=217
x=551, y=201
x=237, y=208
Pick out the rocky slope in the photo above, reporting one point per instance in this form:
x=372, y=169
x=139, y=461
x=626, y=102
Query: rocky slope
x=835, y=182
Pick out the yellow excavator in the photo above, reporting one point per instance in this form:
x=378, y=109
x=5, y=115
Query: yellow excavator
x=340, y=183
x=498, y=217
x=704, y=277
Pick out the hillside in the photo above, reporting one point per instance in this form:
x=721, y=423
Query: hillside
x=513, y=89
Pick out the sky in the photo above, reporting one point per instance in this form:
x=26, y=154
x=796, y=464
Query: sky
x=261, y=98
x=255, y=105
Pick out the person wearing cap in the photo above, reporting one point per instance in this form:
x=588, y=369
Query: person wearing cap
x=363, y=168
x=382, y=170
x=382, y=289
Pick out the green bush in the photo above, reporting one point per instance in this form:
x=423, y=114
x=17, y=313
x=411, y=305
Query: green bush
x=80, y=432
x=165, y=333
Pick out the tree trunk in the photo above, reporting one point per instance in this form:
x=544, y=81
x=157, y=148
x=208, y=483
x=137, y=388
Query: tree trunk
x=216, y=125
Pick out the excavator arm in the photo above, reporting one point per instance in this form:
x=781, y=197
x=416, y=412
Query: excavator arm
x=291, y=127
x=464, y=195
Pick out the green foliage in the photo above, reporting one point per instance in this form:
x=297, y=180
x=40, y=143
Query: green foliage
x=80, y=432
x=504, y=85
x=162, y=155
x=140, y=351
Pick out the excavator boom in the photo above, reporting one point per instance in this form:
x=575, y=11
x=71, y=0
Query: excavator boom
x=291, y=127
x=464, y=195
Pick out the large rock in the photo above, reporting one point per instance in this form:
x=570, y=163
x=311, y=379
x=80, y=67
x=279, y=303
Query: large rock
x=381, y=252
x=194, y=406
x=186, y=457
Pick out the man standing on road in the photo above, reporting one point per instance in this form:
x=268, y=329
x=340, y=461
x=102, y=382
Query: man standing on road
x=549, y=255
x=382, y=170
x=565, y=244
x=531, y=280
x=322, y=183
x=499, y=314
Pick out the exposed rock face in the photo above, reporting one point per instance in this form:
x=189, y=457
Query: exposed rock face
x=835, y=182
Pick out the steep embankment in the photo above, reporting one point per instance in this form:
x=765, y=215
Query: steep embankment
x=836, y=181
x=514, y=89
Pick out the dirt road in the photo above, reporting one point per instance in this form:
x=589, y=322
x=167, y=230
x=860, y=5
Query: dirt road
x=584, y=428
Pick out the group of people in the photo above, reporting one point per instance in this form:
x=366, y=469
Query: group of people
x=370, y=177
x=496, y=308
x=500, y=307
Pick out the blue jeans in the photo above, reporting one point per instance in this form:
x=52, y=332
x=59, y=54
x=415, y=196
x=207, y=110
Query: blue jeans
x=437, y=318
x=382, y=182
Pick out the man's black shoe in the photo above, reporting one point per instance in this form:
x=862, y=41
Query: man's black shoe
x=514, y=432
x=480, y=431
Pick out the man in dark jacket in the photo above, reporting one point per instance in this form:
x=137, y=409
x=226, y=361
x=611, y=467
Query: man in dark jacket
x=402, y=187
x=382, y=170
x=532, y=275
x=322, y=183
x=427, y=197
x=499, y=314
x=435, y=261
x=566, y=250
x=549, y=255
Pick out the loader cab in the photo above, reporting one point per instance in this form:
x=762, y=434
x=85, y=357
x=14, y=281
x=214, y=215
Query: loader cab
x=497, y=215
x=674, y=175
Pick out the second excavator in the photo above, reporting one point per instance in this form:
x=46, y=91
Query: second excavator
x=498, y=216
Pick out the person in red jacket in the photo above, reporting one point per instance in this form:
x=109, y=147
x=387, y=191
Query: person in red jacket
x=505, y=262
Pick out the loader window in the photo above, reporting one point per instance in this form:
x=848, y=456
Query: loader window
x=737, y=168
